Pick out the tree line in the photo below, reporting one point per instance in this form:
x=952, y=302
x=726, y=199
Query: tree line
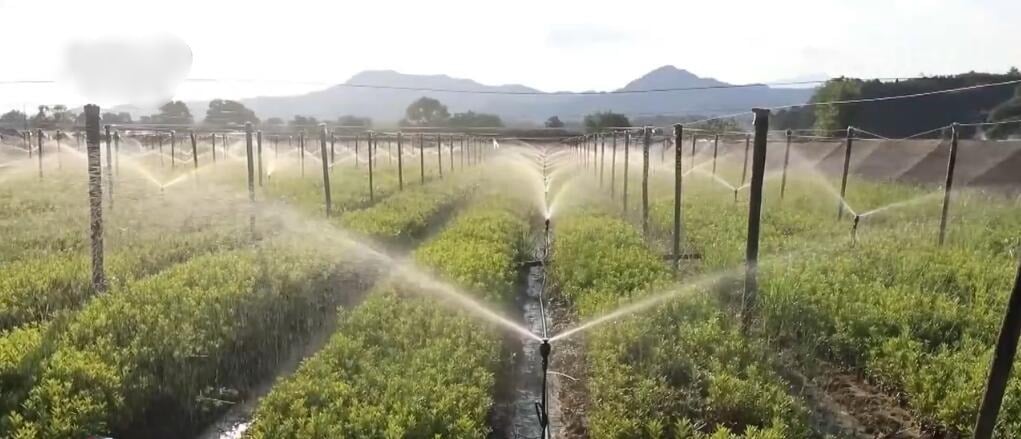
x=905, y=117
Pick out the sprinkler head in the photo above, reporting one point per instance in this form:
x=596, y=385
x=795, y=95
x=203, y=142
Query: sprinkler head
x=547, y=223
x=544, y=349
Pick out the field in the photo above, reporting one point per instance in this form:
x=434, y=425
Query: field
x=416, y=307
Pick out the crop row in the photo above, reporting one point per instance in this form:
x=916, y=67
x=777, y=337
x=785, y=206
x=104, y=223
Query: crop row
x=403, y=365
x=681, y=370
x=917, y=319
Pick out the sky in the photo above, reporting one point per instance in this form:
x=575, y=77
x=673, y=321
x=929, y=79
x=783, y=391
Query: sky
x=278, y=48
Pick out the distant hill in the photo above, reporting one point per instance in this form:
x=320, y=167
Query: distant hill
x=388, y=104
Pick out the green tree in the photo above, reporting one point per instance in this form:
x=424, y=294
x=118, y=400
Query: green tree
x=224, y=113
x=554, y=122
x=472, y=119
x=114, y=118
x=13, y=118
x=173, y=112
x=354, y=121
x=273, y=122
x=1007, y=111
x=605, y=119
x=836, y=117
x=426, y=112
x=300, y=123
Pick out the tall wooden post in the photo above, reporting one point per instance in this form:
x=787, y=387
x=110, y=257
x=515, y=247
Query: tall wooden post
x=368, y=147
x=694, y=138
x=1003, y=362
x=421, y=156
x=251, y=176
x=847, y=166
x=117, y=152
x=627, y=149
x=56, y=137
x=356, y=151
x=173, y=149
x=451, y=151
x=646, y=144
x=162, y=159
x=678, y=177
x=602, y=158
x=212, y=139
x=39, y=140
x=786, y=160
x=95, y=196
x=613, y=168
x=400, y=162
x=326, y=168
x=949, y=183
x=194, y=152
x=258, y=154
x=333, y=148
x=301, y=152
x=28, y=142
x=716, y=149
x=439, y=155
x=751, y=285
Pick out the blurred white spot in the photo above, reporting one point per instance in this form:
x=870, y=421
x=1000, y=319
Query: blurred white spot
x=138, y=71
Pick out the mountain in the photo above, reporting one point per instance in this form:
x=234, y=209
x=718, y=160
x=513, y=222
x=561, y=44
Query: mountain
x=357, y=96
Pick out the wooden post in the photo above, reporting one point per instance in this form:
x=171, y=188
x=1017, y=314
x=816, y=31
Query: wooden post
x=57, y=138
x=258, y=154
x=421, y=156
x=678, y=176
x=786, y=160
x=212, y=139
x=744, y=168
x=95, y=196
x=716, y=149
x=751, y=286
x=368, y=147
x=28, y=142
x=194, y=153
x=160, y=138
x=462, y=151
x=251, y=175
x=301, y=152
x=613, y=168
x=173, y=149
x=646, y=144
x=109, y=167
x=847, y=166
x=400, y=163
x=439, y=155
x=333, y=149
x=602, y=158
x=39, y=140
x=116, y=152
x=627, y=149
x=948, y=185
x=451, y=150
x=1002, y=363
x=326, y=167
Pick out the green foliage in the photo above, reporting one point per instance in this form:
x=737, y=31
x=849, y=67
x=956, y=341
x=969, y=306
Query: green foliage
x=649, y=376
x=228, y=113
x=408, y=214
x=600, y=121
x=354, y=121
x=554, y=122
x=402, y=365
x=472, y=119
x=1007, y=111
x=426, y=112
x=173, y=112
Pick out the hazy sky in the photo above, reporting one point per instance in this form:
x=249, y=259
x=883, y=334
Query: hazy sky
x=552, y=45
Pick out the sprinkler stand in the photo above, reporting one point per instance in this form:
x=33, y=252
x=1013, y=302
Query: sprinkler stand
x=541, y=408
x=854, y=229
